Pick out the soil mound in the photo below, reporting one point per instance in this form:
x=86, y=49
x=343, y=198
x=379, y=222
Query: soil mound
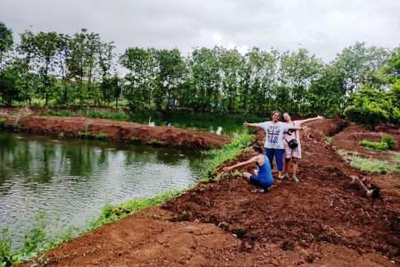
x=116, y=131
x=321, y=221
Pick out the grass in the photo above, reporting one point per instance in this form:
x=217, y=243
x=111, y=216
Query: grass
x=93, y=113
x=386, y=143
x=372, y=165
x=96, y=136
x=216, y=157
x=35, y=241
x=111, y=213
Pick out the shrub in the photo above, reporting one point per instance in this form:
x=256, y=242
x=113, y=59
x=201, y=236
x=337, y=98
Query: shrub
x=371, y=107
x=389, y=141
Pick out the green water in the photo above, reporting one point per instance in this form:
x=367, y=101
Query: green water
x=71, y=180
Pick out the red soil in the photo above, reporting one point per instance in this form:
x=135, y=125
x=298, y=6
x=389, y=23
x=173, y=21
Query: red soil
x=321, y=221
x=117, y=131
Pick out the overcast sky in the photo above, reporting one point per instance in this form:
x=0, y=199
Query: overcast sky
x=323, y=27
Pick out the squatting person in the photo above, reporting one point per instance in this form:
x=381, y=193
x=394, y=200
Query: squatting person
x=261, y=177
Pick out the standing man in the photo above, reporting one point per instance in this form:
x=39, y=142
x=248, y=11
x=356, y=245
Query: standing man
x=274, y=131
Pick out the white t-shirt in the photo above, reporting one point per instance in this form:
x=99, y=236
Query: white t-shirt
x=274, y=133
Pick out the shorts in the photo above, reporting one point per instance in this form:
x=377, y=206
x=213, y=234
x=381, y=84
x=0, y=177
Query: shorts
x=256, y=180
x=292, y=153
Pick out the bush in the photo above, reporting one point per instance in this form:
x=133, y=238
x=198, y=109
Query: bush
x=371, y=106
x=389, y=141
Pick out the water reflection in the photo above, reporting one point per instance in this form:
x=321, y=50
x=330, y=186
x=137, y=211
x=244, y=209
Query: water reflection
x=71, y=180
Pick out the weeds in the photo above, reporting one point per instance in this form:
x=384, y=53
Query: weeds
x=96, y=136
x=112, y=213
x=372, y=165
x=386, y=143
x=230, y=151
x=35, y=241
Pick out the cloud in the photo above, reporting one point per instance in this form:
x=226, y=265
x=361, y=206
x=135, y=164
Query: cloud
x=322, y=27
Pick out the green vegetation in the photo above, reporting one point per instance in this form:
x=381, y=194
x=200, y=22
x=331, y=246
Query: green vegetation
x=93, y=113
x=96, y=136
x=2, y=122
x=35, y=242
x=61, y=70
x=367, y=164
x=229, y=152
x=112, y=213
x=386, y=143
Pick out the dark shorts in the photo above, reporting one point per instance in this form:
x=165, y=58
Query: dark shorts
x=258, y=182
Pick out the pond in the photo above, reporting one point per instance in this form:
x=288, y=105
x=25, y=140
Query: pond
x=69, y=181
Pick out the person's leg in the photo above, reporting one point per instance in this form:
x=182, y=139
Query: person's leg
x=295, y=162
x=247, y=175
x=270, y=155
x=255, y=180
x=286, y=167
x=279, y=160
x=296, y=155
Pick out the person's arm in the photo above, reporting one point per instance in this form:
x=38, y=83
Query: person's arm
x=252, y=124
x=311, y=119
x=252, y=160
x=295, y=128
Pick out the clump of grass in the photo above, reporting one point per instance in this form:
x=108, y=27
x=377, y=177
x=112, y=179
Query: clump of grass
x=111, y=213
x=2, y=122
x=386, y=143
x=374, y=145
x=96, y=136
x=58, y=113
x=228, y=152
x=372, y=165
x=35, y=242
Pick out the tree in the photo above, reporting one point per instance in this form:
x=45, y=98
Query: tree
x=45, y=47
x=171, y=68
x=6, y=41
x=140, y=79
x=355, y=65
x=372, y=106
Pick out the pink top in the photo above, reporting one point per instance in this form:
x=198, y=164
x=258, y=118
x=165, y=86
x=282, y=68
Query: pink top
x=294, y=134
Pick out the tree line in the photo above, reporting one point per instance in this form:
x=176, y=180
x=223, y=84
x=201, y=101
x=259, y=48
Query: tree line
x=81, y=69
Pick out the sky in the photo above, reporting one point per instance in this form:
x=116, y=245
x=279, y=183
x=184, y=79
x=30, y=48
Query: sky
x=323, y=27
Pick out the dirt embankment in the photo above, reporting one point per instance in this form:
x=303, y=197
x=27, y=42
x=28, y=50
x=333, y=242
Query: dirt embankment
x=321, y=221
x=349, y=140
x=116, y=131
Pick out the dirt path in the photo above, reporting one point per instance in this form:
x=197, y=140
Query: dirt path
x=321, y=221
x=113, y=130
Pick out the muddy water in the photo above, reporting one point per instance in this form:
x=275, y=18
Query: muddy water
x=70, y=181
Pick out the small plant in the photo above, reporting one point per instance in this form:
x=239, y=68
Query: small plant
x=389, y=140
x=2, y=122
x=5, y=248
